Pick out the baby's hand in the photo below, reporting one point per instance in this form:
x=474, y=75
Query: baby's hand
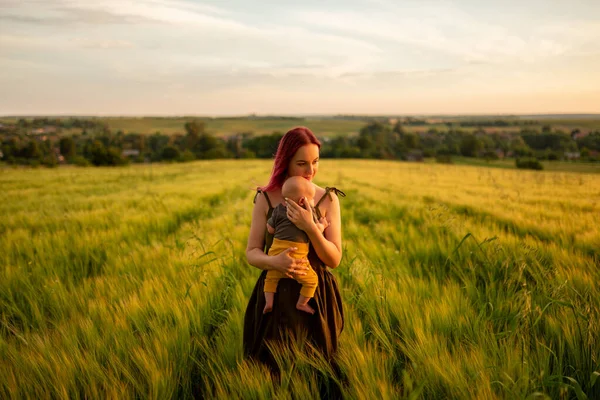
x=322, y=224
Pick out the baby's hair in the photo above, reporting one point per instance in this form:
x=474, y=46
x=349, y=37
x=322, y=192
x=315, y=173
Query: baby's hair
x=295, y=187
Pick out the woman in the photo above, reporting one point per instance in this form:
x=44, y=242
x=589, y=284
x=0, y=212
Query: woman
x=297, y=155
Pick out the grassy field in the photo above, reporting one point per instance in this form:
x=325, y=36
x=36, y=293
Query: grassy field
x=226, y=127
x=458, y=282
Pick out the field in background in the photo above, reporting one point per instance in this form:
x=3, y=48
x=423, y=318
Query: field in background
x=226, y=127
x=458, y=282
x=325, y=126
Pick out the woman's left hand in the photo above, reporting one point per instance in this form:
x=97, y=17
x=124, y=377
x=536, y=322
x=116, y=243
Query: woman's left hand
x=300, y=216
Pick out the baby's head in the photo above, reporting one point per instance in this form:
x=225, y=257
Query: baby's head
x=296, y=187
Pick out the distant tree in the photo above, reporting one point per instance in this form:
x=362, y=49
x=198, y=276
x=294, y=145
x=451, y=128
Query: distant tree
x=399, y=129
x=555, y=141
x=10, y=149
x=234, y=146
x=263, y=146
x=114, y=157
x=186, y=155
x=101, y=155
x=376, y=140
x=365, y=144
x=156, y=143
x=97, y=153
x=67, y=147
x=487, y=142
x=205, y=142
x=470, y=146
x=217, y=152
x=591, y=141
x=411, y=140
x=194, y=130
x=519, y=147
x=31, y=150
x=170, y=153
x=50, y=160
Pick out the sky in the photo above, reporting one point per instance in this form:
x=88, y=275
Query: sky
x=234, y=57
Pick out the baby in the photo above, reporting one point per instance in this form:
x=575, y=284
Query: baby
x=287, y=235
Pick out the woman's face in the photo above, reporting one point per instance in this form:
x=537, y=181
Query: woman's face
x=305, y=162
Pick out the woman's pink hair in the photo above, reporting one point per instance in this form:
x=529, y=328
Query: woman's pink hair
x=288, y=146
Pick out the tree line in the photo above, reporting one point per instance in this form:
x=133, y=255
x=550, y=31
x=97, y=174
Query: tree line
x=97, y=145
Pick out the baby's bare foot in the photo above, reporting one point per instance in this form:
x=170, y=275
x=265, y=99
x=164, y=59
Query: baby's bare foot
x=305, y=308
x=269, y=299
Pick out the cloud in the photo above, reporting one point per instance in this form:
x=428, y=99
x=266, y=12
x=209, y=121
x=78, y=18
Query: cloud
x=103, y=44
x=64, y=15
x=447, y=30
x=107, y=12
x=153, y=11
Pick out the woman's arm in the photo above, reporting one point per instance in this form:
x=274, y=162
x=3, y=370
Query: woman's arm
x=254, y=249
x=328, y=245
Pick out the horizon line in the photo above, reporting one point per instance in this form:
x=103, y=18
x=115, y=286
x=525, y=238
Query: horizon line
x=292, y=115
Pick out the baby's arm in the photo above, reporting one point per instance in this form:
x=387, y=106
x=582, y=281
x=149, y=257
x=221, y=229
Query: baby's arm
x=272, y=221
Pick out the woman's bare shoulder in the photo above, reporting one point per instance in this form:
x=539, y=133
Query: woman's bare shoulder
x=260, y=202
x=274, y=197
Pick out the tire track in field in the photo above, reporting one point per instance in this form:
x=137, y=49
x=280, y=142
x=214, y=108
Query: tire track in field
x=520, y=230
x=89, y=262
x=477, y=216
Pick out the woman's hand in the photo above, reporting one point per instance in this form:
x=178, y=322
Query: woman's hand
x=322, y=224
x=300, y=216
x=289, y=266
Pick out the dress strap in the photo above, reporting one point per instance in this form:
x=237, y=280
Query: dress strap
x=266, y=197
x=328, y=191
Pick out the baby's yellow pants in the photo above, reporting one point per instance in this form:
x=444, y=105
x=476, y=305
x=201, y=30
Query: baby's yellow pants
x=309, y=281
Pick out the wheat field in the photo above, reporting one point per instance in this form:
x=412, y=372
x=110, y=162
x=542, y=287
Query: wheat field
x=458, y=282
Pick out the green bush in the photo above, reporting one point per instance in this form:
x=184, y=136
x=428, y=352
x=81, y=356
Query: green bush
x=80, y=161
x=215, y=153
x=490, y=155
x=186, y=156
x=34, y=163
x=529, y=163
x=247, y=154
x=50, y=161
x=170, y=153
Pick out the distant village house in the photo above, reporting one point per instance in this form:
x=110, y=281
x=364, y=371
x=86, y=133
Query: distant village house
x=572, y=155
x=130, y=153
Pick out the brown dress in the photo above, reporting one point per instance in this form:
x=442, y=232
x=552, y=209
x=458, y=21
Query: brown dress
x=285, y=322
